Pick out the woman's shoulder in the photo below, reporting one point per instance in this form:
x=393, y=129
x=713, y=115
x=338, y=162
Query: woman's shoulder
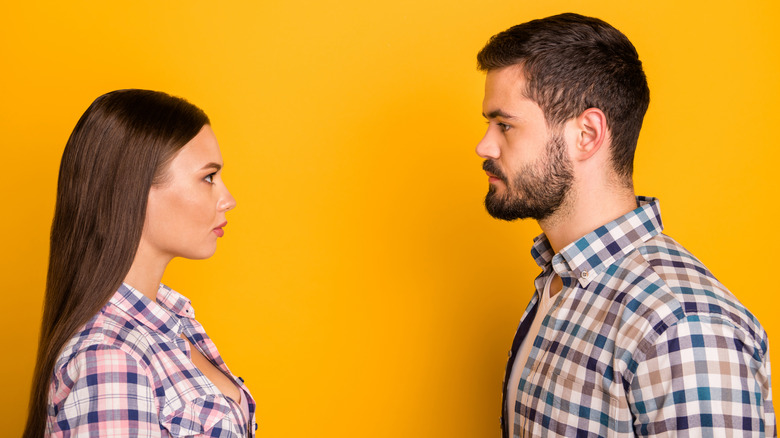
x=110, y=331
x=92, y=373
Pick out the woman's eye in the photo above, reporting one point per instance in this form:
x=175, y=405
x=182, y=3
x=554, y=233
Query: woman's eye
x=210, y=178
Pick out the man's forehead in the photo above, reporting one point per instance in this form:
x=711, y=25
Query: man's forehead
x=514, y=71
x=504, y=89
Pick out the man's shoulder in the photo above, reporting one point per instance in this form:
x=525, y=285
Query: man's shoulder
x=673, y=286
x=677, y=267
x=682, y=274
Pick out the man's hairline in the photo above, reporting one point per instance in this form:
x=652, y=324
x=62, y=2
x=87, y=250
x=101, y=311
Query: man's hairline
x=519, y=68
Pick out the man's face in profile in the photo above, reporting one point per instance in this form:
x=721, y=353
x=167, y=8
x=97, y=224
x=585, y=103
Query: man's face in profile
x=528, y=168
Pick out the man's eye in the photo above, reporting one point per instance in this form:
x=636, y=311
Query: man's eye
x=210, y=178
x=503, y=126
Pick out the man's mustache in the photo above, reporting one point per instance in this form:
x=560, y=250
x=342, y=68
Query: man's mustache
x=492, y=167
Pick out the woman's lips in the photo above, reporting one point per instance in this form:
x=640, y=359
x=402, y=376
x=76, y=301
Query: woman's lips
x=219, y=231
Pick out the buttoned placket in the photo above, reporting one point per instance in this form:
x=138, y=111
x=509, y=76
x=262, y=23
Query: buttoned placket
x=182, y=330
x=186, y=328
x=556, y=266
x=560, y=267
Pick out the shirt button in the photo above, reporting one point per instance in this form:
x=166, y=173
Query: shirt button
x=584, y=274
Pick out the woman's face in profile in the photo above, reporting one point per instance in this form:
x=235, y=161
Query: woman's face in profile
x=186, y=212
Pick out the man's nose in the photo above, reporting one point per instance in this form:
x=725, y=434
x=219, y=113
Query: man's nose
x=487, y=148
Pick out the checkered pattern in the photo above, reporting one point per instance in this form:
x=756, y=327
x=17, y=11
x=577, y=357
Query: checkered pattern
x=642, y=340
x=127, y=373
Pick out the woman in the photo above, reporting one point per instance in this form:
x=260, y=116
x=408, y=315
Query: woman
x=121, y=354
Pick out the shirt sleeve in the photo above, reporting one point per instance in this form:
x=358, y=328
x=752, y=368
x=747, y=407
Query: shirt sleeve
x=703, y=377
x=110, y=396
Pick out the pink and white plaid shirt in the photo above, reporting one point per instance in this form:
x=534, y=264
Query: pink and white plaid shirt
x=128, y=373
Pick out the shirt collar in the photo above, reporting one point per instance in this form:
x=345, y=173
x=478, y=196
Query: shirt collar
x=176, y=302
x=588, y=256
x=162, y=316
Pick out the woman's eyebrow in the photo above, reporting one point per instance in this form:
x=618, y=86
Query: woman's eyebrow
x=212, y=165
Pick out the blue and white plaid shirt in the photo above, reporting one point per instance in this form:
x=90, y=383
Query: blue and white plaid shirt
x=642, y=340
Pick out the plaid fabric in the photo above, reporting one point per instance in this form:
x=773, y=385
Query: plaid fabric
x=128, y=373
x=642, y=340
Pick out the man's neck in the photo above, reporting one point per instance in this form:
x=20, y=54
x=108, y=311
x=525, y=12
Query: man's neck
x=585, y=211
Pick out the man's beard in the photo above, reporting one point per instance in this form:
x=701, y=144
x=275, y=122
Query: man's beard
x=537, y=190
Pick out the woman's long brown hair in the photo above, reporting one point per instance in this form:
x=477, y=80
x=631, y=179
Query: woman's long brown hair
x=119, y=148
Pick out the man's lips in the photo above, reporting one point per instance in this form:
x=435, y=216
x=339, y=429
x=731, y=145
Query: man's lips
x=493, y=172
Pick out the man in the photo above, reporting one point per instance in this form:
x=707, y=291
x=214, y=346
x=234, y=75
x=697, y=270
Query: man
x=627, y=332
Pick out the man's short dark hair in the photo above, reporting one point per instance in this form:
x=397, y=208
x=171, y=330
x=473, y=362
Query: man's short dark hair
x=572, y=63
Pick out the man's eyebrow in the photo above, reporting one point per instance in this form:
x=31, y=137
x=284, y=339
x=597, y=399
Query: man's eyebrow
x=498, y=113
x=212, y=165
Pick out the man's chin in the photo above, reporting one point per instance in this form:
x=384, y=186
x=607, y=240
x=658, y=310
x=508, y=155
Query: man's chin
x=500, y=208
x=512, y=209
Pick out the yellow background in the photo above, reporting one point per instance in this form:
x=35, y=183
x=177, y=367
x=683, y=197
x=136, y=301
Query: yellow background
x=361, y=289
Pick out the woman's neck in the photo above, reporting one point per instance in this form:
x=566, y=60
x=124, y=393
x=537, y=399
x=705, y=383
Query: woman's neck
x=147, y=271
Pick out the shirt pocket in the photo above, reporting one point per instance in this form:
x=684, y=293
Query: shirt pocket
x=198, y=416
x=567, y=406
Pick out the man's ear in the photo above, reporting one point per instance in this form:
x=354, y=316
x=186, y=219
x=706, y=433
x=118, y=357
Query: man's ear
x=591, y=133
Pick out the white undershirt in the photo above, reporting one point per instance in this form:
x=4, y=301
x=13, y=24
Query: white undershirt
x=544, y=304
